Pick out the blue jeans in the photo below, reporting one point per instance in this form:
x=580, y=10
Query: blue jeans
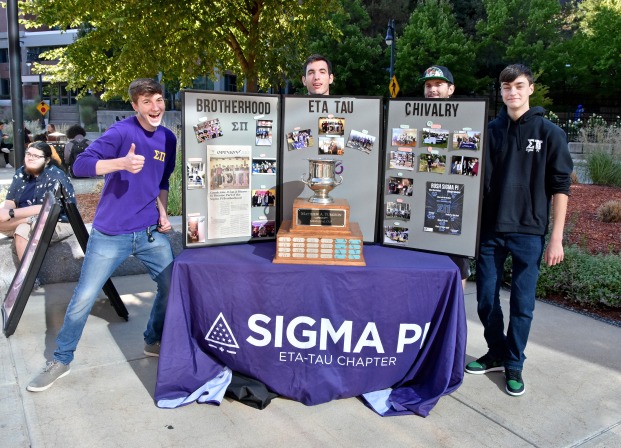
x=526, y=251
x=104, y=253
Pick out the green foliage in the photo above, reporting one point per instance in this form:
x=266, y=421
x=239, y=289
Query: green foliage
x=584, y=278
x=175, y=191
x=603, y=168
x=432, y=37
x=261, y=41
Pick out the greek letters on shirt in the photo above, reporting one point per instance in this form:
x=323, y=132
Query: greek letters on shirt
x=159, y=155
x=534, y=145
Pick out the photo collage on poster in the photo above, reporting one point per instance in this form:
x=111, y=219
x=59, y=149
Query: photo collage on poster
x=428, y=151
x=331, y=141
x=233, y=163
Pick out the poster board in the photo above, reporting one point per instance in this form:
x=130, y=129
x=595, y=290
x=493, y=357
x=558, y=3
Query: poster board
x=433, y=180
x=346, y=129
x=28, y=269
x=230, y=155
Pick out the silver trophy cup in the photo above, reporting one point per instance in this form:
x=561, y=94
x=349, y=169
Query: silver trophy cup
x=321, y=179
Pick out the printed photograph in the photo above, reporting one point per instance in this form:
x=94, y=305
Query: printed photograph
x=196, y=228
x=402, y=159
x=467, y=140
x=403, y=186
x=436, y=138
x=229, y=173
x=263, y=229
x=264, y=198
x=195, y=171
x=333, y=146
x=264, y=133
x=331, y=126
x=396, y=235
x=398, y=210
x=299, y=139
x=208, y=130
x=465, y=166
x=264, y=166
x=404, y=137
x=361, y=141
x=432, y=163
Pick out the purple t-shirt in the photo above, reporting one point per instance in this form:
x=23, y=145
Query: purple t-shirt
x=128, y=201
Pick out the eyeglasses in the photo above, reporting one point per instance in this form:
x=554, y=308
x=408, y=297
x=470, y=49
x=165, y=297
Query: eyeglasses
x=33, y=155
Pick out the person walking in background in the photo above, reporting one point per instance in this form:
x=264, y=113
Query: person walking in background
x=137, y=156
x=5, y=147
x=527, y=169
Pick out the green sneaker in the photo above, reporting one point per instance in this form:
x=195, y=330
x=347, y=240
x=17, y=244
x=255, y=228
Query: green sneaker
x=52, y=371
x=485, y=364
x=515, y=383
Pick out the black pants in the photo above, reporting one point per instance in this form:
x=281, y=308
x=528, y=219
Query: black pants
x=8, y=146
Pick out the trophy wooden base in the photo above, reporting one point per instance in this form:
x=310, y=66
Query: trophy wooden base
x=319, y=246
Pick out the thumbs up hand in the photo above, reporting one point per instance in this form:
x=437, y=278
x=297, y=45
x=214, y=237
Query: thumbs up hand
x=133, y=162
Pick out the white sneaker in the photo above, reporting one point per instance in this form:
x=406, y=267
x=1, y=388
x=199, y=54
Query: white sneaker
x=8, y=165
x=5, y=150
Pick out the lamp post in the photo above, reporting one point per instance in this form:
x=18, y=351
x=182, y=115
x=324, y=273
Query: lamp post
x=32, y=57
x=390, y=41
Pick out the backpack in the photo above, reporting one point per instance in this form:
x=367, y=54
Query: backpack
x=77, y=149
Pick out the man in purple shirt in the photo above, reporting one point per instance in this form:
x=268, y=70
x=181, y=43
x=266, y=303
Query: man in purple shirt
x=137, y=156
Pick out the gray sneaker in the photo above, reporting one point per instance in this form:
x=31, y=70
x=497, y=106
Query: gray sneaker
x=51, y=372
x=152, y=349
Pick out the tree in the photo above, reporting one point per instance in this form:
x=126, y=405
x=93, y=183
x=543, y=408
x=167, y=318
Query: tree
x=432, y=37
x=261, y=40
x=525, y=31
x=357, y=60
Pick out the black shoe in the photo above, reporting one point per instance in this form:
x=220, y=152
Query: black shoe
x=485, y=364
x=515, y=383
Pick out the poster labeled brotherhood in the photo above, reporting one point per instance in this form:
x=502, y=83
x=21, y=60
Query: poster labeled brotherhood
x=230, y=154
x=433, y=177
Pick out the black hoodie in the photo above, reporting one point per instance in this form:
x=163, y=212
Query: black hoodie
x=527, y=161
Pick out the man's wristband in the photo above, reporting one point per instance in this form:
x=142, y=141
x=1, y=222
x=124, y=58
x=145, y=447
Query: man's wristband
x=12, y=213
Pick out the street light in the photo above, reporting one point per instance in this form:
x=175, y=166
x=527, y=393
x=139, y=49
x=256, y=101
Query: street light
x=32, y=57
x=390, y=41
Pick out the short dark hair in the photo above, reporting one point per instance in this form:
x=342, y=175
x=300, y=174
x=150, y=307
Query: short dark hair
x=42, y=146
x=314, y=58
x=75, y=130
x=512, y=72
x=144, y=86
x=39, y=138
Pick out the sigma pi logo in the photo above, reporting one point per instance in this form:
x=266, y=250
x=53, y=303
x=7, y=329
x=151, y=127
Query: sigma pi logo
x=302, y=336
x=534, y=145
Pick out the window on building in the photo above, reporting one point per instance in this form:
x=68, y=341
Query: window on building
x=4, y=55
x=230, y=83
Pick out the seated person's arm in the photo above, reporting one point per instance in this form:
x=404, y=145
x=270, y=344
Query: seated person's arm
x=20, y=213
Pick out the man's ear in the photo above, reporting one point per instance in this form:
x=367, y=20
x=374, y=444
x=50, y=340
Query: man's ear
x=331, y=78
x=451, y=89
x=304, y=81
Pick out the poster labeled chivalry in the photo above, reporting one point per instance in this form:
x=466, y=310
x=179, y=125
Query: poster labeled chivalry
x=433, y=179
x=230, y=153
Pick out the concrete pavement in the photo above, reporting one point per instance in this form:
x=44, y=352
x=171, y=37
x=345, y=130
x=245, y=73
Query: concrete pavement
x=572, y=375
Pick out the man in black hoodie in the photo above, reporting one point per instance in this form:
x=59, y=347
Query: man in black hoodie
x=527, y=168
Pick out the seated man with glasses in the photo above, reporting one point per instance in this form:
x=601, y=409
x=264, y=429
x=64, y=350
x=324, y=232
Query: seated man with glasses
x=18, y=213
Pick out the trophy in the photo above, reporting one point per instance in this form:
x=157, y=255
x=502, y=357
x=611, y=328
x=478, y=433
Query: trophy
x=320, y=231
x=321, y=179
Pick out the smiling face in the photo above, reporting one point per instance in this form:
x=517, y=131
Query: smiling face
x=438, y=88
x=318, y=78
x=149, y=110
x=516, y=95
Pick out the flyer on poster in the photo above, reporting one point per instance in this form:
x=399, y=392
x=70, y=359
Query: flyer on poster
x=229, y=199
x=444, y=208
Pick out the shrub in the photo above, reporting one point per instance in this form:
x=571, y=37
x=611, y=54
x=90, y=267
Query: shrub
x=175, y=191
x=609, y=211
x=604, y=168
x=88, y=109
x=583, y=278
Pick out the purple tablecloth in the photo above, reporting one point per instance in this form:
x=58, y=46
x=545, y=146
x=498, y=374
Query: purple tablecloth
x=315, y=333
